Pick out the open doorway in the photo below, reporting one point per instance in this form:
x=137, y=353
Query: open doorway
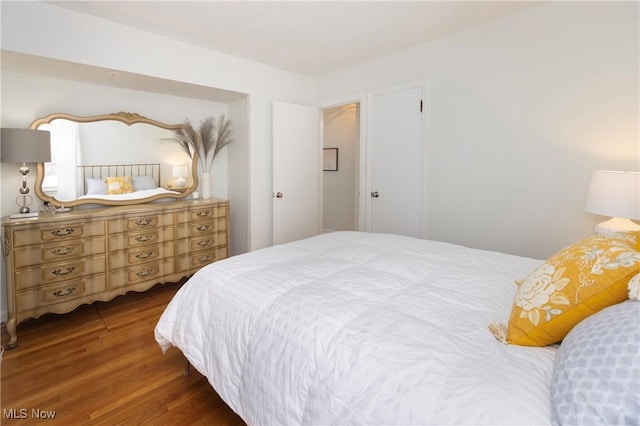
x=341, y=168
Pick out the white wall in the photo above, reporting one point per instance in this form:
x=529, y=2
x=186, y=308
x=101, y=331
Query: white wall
x=341, y=130
x=520, y=111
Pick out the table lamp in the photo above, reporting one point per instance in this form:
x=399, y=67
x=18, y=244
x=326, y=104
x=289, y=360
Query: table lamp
x=180, y=173
x=615, y=194
x=24, y=146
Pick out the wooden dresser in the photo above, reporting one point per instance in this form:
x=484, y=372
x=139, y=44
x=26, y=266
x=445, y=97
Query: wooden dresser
x=56, y=263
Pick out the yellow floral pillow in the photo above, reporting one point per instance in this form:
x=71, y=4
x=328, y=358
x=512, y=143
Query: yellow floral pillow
x=119, y=185
x=574, y=283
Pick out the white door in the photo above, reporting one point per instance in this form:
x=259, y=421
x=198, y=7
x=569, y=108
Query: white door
x=397, y=151
x=296, y=172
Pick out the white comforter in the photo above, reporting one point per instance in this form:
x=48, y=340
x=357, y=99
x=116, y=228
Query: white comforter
x=135, y=195
x=359, y=328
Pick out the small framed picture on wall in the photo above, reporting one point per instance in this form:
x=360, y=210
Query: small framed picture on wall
x=330, y=159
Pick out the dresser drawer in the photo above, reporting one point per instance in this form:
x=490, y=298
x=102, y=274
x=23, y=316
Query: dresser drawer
x=62, y=271
x=201, y=228
x=147, y=254
x=136, y=239
x=208, y=212
x=72, y=249
x=196, y=244
x=200, y=259
x=154, y=271
x=60, y=232
x=139, y=223
x=141, y=255
x=203, y=213
x=200, y=243
x=60, y=293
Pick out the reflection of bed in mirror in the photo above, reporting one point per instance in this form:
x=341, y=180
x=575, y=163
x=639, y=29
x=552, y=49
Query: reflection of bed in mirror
x=79, y=143
x=120, y=182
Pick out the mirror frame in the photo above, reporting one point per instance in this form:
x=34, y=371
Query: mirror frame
x=127, y=118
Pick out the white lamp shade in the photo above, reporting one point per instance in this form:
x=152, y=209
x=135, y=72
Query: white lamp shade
x=25, y=146
x=614, y=194
x=180, y=173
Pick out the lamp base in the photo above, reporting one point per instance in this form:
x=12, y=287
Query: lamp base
x=616, y=224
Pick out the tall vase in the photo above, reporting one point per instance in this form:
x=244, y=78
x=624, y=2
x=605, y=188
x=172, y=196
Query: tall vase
x=206, y=185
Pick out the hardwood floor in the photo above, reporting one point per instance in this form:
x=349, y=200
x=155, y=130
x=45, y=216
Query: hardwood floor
x=100, y=364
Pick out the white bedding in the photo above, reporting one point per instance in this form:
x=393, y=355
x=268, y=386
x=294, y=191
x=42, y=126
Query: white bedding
x=135, y=195
x=360, y=328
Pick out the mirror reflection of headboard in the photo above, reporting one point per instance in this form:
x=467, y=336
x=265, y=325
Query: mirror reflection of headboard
x=92, y=172
x=108, y=140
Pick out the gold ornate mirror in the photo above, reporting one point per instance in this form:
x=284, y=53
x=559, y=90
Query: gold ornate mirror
x=114, y=159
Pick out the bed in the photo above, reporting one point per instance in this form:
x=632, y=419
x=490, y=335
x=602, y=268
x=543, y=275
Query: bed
x=120, y=182
x=362, y=328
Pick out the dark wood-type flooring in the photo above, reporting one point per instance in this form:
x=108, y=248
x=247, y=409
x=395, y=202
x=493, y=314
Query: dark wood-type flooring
x=100, y=364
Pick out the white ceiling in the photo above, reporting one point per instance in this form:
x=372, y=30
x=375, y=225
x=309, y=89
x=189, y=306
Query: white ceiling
x=307, y=37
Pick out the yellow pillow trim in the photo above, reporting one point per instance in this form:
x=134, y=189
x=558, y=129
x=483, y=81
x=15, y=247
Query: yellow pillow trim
x=634, y=288
x=576, y=282
x=119, y=185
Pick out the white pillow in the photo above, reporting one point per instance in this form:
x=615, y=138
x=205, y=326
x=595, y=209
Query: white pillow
x=96, y=186
x=141, y=183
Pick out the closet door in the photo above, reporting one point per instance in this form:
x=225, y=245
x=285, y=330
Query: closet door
x=296, y=172
x=397, y=160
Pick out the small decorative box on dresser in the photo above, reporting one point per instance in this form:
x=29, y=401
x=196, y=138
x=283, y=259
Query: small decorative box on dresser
x=57, y=263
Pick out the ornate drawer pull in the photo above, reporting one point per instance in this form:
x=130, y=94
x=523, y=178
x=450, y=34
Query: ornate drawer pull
x=144, y=238
x=144, y=273
x=202, y=259
x=63, y=232
x=60, y=272
x=143, y=256
x=143, y=222
x=203, y=243
x=203, y=213
x=59, y=293
x=62, y=252
x=203, y=227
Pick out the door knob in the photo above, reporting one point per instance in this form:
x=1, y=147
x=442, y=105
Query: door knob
x=375, y=194
x=279, y=194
